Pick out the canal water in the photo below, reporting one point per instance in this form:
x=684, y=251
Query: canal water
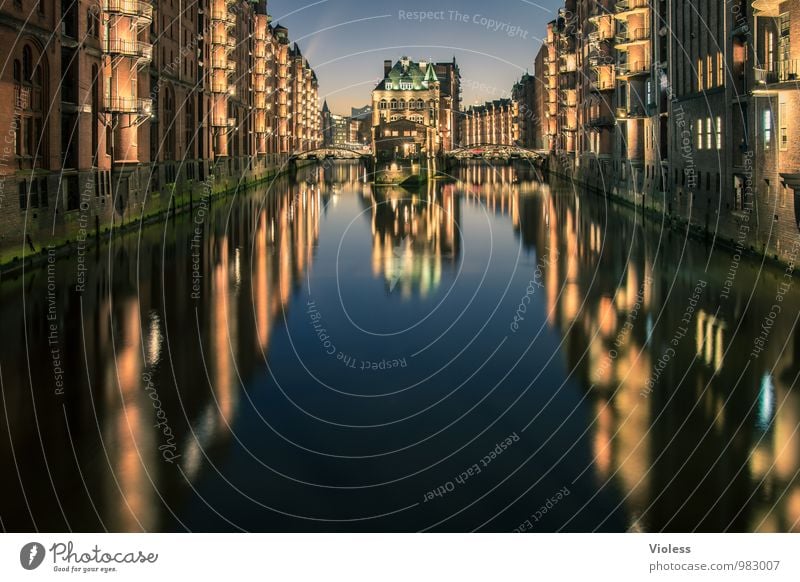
x=494, y=354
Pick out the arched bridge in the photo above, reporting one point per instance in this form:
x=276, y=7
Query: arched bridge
x=334, y=153
x=488, y=151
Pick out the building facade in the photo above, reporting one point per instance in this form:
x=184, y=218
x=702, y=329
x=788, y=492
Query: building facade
x=130, y=102
x=683, y=108
x=414, y=111
x=494, y=122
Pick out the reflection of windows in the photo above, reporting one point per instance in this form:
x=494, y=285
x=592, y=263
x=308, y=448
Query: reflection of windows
x=719, y=132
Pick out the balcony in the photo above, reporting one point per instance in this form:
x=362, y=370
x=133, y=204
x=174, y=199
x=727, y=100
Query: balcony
x=778, y=72
x=129, y=48
x=631, y=112
x=224, y=122
x=606, y=84
x=131, y=105
x=599, y=121
x=219, y=87
x=139, y=9
x=625, y=7
x=632, y=36
x=625, y=70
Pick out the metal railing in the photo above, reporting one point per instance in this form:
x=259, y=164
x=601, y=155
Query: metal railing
x=778, y=72
x=128, y=48
x=635, y=68
x=136, y=8
x=628, y=5
x=633, y=35
x=134, y=105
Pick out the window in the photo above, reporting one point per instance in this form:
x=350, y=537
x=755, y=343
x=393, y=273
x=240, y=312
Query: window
x=769, y=50
x=767, y=125
x=720, y=70
x=700, y=75
x=92, y=23
x=649, y=92
x=699, y=134
x=709, y=130
x=784, y=23
x=784, y=131
x=709, y=72
x=719, y=132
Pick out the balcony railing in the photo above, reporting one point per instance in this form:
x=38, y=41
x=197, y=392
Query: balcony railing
x=219, y=87
x=632, y=112
x=224, y=122
x=602, y=85
x=623, y=6
x=140, y=9
x=133, y=105
x=779, y=72
x=634, y=68
x=633, y=35
x=128, y=48
x=598, y=120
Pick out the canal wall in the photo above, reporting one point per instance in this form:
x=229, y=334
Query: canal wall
x=95, y=214
x=756, y=228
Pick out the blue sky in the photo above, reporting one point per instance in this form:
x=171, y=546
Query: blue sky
x=346, y=41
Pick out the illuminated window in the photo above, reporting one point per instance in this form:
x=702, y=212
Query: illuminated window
x=699, y=134
x=699, y=74
x=769, y=50
x=783, y=121
x=719, y=132
x=767, y=125
x=709, y=74
x=720, y=70
x=709, y=130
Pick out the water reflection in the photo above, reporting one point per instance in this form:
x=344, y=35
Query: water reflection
x=182, y=413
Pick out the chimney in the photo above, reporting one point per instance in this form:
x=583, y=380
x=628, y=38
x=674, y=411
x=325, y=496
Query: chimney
x=387, y=66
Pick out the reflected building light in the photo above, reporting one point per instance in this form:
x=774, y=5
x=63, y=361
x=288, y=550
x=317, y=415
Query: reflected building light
x=709, y=339
x=154, y=339
x=766, y=403
x=237, y=267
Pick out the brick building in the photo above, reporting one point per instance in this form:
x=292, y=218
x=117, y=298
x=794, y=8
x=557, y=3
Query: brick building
x=682, y=108
x=131, y=101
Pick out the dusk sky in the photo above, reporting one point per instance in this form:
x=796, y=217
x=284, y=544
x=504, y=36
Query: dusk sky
x=346, y=41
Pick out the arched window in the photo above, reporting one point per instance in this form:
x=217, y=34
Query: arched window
x=382, y=104
x=402, y=103
x=393, y=104
x=17, y=71
x=27, y=63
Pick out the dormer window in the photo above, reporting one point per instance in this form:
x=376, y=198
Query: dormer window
x=406, y=86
